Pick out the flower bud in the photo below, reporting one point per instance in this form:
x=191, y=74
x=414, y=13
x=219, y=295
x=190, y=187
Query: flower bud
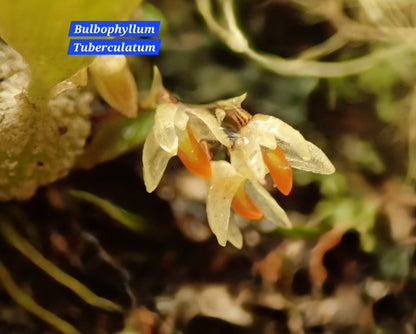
x=115, y=83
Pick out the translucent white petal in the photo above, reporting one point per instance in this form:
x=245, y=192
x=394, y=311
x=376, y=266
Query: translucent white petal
x=266, y=203
x=239, y=163
x=263, y=124
x=220, y=114
x=164, y=127
x=211, y=122
x=251, y=154
x=222, y=187
x=264, y=138
x=201, y=131
x=181, y=118
x=234, y=101
x=158, y=92
x=234, y=235
x=319, y=162
x=155, y=161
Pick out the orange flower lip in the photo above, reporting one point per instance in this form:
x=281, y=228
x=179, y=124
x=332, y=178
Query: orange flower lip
x=244, y=206
x=193, y=155
x=279, y=168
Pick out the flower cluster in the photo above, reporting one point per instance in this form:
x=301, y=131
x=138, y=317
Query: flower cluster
x=255, y=145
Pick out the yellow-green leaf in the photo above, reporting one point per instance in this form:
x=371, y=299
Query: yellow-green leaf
x=115, y=137
x=126, y=218
x=38, y=30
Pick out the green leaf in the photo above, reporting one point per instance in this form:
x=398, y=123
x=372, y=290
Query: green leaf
x=38, y=30
x=116, y=137
x=305, y=232
x=126, y=218
x=396, y=261
x=150, y=12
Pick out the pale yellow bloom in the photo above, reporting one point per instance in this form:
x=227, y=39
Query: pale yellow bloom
x=261, y=135
x=256, y=145
x=179, y=129
x=223, y=186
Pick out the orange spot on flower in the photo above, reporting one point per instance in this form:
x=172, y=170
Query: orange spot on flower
x=194, y=156
x=244, y=206
x=280, y=169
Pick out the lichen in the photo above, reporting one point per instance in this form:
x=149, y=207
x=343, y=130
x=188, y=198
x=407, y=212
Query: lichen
x=37, y=145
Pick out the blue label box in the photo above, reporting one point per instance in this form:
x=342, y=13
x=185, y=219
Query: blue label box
x=114, y=47
x=114, y=29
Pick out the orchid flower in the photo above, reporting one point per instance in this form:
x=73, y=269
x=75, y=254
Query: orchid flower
x=265, y=144
x=257, y=145
x=261, y=144
x=228, y=188
x=178, y=130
